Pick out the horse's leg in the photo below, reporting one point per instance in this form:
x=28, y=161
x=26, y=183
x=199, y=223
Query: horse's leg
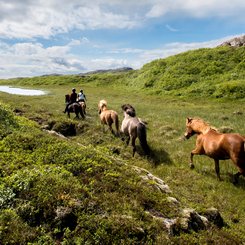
x=127, y=139
x=81, y=113
x=111, y=129
x=216, y=161
x=103, y=126
x=236, y=177
x=117, y=126
x=196, y=151
x=191, y=161
x=133, y=144
x=238, y=162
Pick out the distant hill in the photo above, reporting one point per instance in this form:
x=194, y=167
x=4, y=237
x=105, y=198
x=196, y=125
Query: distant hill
x=123, y=69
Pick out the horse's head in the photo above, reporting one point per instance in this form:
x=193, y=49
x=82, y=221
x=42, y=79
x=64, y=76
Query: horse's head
x=189, y=130
x=195, y=126
x=67, y=98
x=129, y=110
x=102, y=104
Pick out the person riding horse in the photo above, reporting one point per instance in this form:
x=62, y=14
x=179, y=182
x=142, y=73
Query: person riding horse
x=81, y=96
x=73, y=99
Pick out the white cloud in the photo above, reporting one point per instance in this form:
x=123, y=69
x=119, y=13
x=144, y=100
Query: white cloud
x=170, y=28
x=30, y=19
x=199, y=9
x=30, y=59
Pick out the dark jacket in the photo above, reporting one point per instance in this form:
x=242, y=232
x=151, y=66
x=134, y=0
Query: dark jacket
x=73, y=97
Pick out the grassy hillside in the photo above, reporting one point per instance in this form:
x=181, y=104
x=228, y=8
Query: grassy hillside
x=87, y=188
x=218, y=72
x=53, y=190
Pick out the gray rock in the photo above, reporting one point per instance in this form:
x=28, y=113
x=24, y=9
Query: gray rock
x=213, y=216
x=235, y=42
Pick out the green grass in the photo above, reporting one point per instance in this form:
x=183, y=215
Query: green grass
x=198, y=188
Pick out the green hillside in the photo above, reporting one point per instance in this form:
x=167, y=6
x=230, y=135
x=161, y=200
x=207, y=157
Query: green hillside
x=86, y=188
x=52, y=189
x=217, y=72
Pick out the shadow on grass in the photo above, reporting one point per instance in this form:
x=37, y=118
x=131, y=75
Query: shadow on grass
x=240, y=183
x=156, y=157
x=225, y=177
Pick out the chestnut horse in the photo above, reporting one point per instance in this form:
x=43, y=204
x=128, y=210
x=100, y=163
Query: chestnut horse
x=108, y=117
x=134, y=127
x=217, y=146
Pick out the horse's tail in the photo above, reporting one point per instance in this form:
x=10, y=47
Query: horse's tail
x=117, y=124
x=141, y=132
x=81, y=111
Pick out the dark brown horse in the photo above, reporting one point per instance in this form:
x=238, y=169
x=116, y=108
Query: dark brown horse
x=73, y=108
x=108, y=117
x=216, y=145
x=134, y=127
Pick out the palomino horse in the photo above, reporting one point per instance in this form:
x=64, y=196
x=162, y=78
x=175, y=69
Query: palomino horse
x=108, y=117
x=133, y=127
x=83, y=106
x=216, y=145
x=74, y=107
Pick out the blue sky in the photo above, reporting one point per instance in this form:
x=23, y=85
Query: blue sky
x=40, y=37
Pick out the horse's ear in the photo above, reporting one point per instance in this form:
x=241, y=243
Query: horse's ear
x=188, y=120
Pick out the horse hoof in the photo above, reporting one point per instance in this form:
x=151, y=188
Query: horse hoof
x=191, y=165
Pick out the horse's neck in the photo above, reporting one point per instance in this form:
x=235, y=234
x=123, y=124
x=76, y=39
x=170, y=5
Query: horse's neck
x=126, y=116
x=104, y=108
x=202, y=129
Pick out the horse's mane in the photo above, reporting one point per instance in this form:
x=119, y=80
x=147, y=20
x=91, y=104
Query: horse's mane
x=102, y=103
x=206, y=124
x=129, y=110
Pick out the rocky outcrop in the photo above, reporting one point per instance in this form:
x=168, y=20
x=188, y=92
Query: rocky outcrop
x=235, y=42
x=189, y=220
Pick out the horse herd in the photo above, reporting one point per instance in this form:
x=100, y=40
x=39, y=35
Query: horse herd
x=209, y=142
x=132, y=126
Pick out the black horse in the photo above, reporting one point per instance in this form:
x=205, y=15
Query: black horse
x=74, y=108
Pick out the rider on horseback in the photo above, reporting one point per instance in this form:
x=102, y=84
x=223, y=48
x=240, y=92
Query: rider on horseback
x=81, y=96
x=73, y=99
